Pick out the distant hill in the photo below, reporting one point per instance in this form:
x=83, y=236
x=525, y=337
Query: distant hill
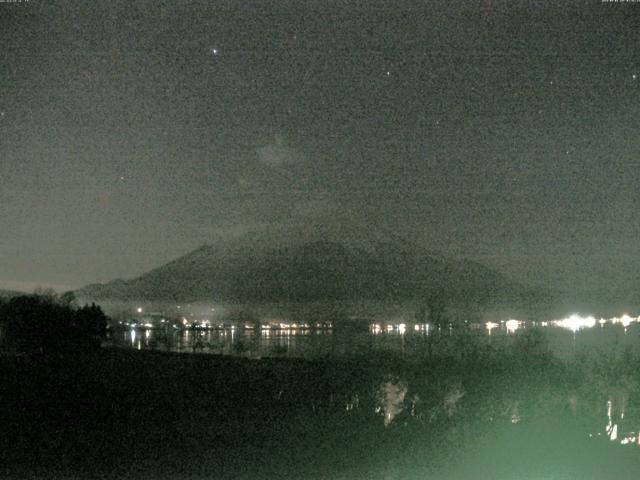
x=316, y=271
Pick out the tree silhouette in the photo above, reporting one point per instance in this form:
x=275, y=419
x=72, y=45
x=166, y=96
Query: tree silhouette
x=436, y=302
x=43, y=323
x=91, y=322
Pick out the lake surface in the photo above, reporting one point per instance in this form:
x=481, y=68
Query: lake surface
x=566, y=338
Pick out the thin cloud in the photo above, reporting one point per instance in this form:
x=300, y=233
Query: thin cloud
x=278, y=154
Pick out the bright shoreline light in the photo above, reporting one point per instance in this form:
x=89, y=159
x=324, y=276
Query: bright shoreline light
x=490, y=326
x=625, y=320
x=576, y=322
x=512, y=325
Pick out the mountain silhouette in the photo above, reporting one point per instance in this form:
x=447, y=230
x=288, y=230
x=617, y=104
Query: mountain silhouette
x=317, y=271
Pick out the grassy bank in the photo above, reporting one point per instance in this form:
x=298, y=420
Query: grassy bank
x=514, y=412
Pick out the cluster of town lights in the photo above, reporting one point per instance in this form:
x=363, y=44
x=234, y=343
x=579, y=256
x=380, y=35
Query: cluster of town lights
x=576, y=322
x=573, y=322
x=400, y=328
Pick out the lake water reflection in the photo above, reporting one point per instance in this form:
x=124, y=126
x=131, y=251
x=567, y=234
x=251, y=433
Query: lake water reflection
x=566, y=338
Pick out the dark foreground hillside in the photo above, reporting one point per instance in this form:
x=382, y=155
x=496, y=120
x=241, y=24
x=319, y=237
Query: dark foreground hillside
x=482, y=414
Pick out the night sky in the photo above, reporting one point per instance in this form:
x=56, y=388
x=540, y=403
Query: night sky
x=134, y=131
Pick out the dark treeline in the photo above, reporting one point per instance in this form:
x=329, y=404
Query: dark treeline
x=46, y=321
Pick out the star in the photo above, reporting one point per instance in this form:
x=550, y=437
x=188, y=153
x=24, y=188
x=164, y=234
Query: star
x=634, y=76
x=214, y=51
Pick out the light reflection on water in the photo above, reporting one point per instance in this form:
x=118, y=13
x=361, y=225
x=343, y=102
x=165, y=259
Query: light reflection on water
x=565, y=337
